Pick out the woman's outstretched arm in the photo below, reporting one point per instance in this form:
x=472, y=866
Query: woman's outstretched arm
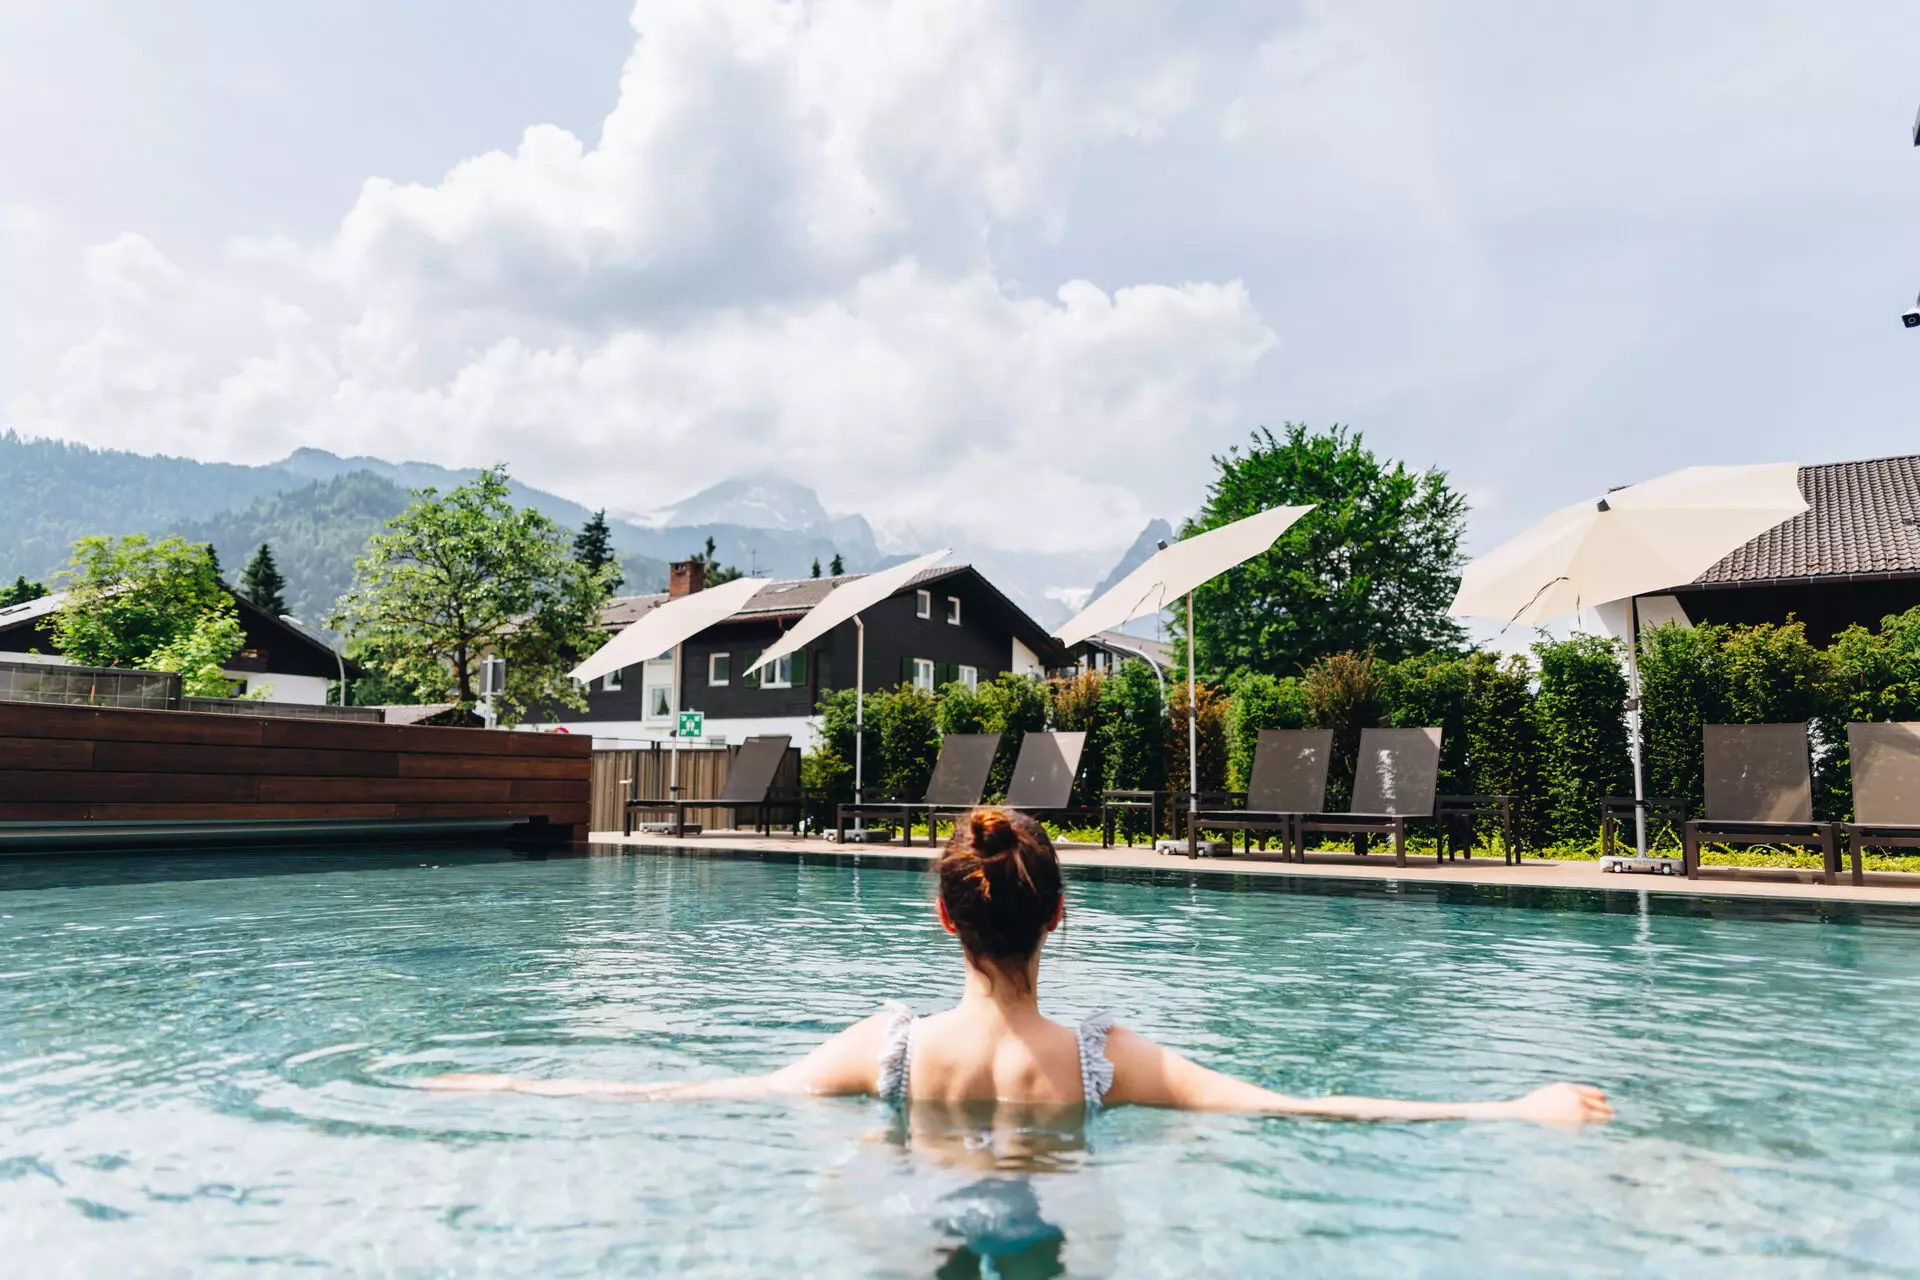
x=846, y=1064
x=1153, y=1075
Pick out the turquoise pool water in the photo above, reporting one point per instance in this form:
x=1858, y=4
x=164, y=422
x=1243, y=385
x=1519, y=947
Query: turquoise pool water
x=205, y=1068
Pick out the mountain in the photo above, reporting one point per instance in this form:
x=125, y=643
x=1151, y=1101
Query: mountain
x=316, y=531
x=755, y=501
x=52, y=492
x=1156, y=532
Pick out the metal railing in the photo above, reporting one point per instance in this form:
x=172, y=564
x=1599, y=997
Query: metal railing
x=147, y=691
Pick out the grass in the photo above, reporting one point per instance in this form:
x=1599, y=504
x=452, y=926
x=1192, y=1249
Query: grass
x=1788, y=857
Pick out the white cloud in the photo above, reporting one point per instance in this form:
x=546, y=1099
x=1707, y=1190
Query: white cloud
x=776, y=255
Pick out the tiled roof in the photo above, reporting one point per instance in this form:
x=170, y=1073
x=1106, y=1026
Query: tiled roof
x=1862, y=518
x=778, y=599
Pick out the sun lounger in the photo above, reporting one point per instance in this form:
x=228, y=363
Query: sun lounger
x=1616, y=819
x=1759, y=791
x=1393, y=785
x=1044, y=773
x=1289, y=779
x=1886, y=789
x=959, y=776
x=749, y=785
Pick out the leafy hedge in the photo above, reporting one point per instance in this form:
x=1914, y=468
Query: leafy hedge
x=1547, y=728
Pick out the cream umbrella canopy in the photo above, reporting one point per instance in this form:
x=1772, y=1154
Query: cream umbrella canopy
x=667, y=625
x=848, y=601
x=1632, y=542
x=1170, y=573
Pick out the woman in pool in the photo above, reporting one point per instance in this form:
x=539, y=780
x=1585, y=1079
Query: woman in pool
x=1000, y=894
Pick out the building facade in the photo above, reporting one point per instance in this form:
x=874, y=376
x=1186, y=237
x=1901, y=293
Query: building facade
x=277, y=661
x=948, y=624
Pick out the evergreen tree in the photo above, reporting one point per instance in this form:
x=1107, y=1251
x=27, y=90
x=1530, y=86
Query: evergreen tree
x=816, y=567
x=717, y=573
x=838, y=566
x=593, y=548
x=22, y=591
x=262, y=583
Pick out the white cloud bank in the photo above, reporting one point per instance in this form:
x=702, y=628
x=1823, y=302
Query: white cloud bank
x=778, y=255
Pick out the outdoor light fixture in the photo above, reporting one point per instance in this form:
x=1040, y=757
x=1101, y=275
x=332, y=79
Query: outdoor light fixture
x=1911, y=316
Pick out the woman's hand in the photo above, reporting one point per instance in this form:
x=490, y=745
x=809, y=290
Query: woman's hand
x=1562, y=1104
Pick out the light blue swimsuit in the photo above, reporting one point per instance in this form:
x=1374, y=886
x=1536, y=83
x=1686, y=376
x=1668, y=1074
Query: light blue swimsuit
x=896, y=1056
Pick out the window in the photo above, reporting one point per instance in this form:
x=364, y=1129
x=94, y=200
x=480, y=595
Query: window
x=970, y=677
x=719, y=668
x=611, y=681
x=923, y=604
x=659, y=702
x=923, y=674
x=953, y=611
x=777, y=674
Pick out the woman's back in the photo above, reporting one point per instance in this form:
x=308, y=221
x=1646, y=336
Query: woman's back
x=974, y=1054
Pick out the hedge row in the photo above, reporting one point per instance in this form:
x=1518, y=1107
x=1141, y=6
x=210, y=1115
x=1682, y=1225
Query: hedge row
x=1547, y=727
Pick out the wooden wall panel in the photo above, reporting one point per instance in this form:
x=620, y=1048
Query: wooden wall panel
x=62, y=764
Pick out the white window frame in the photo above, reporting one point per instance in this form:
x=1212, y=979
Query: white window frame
x=923, y=673
x=665, y=692
x=713, y=659
x=778, y=674
x=923, y=604
x=612, y=680
x=970, y=677
x=953, y=611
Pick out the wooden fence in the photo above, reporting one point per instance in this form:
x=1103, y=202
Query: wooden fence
x=77, y=765
x=700, y=775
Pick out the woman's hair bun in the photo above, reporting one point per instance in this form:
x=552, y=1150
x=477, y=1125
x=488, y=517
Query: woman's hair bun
x=993, y=831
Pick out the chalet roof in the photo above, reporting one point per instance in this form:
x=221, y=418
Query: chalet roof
x=786, y=600
x=1124, y=643
x=33, y=613
x=1863, y=518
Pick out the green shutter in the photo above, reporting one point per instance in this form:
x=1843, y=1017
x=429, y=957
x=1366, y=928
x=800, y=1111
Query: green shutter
x=945, y=674
x=906, y=671
x=799, y=667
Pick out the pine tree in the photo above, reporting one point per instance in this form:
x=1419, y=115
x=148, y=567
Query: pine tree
x=838, y=566
x=262, y=583
x=816, y=567
x=22, y=591
x=593, y=548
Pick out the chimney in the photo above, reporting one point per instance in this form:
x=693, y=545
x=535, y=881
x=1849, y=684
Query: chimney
x=684, y=577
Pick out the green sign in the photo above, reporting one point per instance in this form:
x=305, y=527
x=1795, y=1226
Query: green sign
x=692, y=723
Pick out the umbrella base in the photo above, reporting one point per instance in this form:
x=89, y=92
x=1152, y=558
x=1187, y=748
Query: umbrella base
x=1629, y=862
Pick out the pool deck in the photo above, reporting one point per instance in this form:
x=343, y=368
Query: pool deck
x=1882, y=887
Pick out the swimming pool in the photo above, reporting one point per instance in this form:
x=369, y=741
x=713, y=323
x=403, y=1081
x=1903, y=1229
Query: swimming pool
x=204, y=1061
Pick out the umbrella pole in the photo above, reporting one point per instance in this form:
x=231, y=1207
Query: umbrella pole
x=1633, y=726
x=859, y=712
x=1193, y=725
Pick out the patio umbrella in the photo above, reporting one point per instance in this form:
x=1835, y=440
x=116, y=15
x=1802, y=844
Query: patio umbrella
x=1635, y=541
x=848, y=601
x=667, y=625
x=1170, y=573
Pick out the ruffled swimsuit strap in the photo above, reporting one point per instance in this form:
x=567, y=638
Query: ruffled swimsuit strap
x=1096, y=1072
x=896, y=1053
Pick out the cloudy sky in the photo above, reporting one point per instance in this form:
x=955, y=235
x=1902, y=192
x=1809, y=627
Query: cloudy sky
x=1009, y=270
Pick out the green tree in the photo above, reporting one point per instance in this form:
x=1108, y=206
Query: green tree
x=593, y=548
x=1373, y=567
x=816, y=568
x=1431, y=690
x=836, y=567
x=200, y=654
x=1504, y=748
x=1256, y=701
x=261, y=582
x=1079, y=708
x=21, y=592
x=717, y=573
x=902, y=723
x=1012, y=706
x=1133, y=731
x=1582, y=707
x=1210, y=722
x=1682, y=687
x=128, y=598
x=1344, y=692
x=461, y=575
